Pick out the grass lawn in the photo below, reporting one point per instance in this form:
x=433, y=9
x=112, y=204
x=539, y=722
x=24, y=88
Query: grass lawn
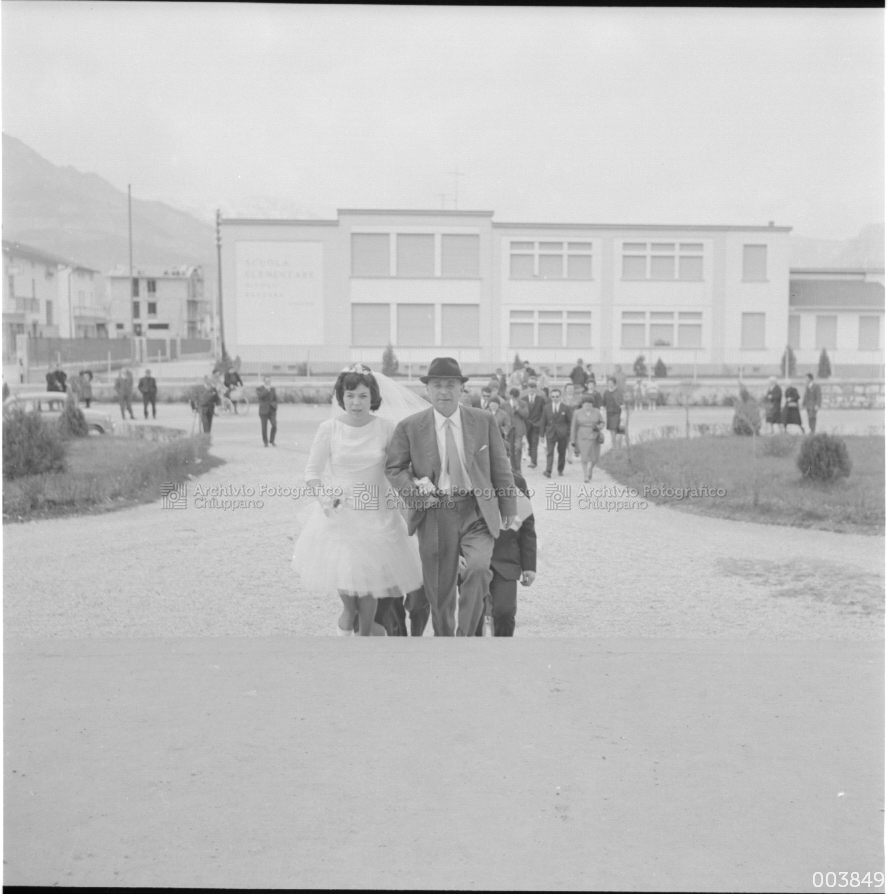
x=767, y=487
x=106, y=473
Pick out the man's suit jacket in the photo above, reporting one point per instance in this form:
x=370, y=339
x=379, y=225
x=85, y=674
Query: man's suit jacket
x=148, y=386
x=413, y=453
x=515, y=551
x=535, y=407
x=519, y=417
x=556, y=423
x=267, y=400
x=812, y=398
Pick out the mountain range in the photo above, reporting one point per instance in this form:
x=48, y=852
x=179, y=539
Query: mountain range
x=83, y=218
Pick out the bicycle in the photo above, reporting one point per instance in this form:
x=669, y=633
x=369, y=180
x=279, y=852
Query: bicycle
x=235, y=402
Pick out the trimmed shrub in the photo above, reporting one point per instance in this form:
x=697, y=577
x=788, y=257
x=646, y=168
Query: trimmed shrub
x=747, y=415
x=517, y=363
x=824, y=368
x=788, y=361
x=659, y=369
x=31, y=445
x=72, y=422
x=824, y=458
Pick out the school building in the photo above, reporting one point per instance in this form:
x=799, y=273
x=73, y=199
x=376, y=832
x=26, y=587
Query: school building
x=710, y=299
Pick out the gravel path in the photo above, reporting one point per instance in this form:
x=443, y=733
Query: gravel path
x=649, y=572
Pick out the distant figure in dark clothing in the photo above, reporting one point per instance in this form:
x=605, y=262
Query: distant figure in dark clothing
x=613, y=408
x=56, y=379
x=206, y=402
x=86, y=388
x=268, y=404
x=773, y=401
x=579, y=376
x=791, y=414
x=123, y=386
x=811, y=402
x=148, y=390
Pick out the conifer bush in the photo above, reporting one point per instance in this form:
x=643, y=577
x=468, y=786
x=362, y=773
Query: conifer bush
x=31, y=445
x=824, y=458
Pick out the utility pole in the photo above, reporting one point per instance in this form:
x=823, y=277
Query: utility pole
x=456, y=175
x=219, y=279
x=129, y=209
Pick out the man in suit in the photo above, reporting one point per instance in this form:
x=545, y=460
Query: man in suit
x=148, y=390
x=486, y=394
x=449, y=465
x=579, y=376
x=557, y=417
x=520, y=412
x=123, y=385
x=536, y=403
x=513, y=559
x=811, y=402
x=206, y=402
x=268, y=405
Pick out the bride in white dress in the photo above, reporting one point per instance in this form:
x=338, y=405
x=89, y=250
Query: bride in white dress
x=354, y=540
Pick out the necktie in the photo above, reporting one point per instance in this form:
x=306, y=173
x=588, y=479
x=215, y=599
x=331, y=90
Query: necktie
x=454, y=467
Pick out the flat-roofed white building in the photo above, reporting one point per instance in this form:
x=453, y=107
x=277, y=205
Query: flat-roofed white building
x=458, y=283
x=843, y=311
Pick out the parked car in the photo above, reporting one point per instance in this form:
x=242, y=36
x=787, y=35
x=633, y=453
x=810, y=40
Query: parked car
x=49, y=404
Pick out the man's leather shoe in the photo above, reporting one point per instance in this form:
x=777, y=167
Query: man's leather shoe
x=547, y=474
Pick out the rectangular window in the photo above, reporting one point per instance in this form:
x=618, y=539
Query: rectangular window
x=870, y=334
x=370, y=254
x=416, y=325
x=152, y=308
x=416, y=255
x=826, y=328
x=662, y=267
x=661, y=334
x=135, y=286
x=579, y=335
x=554, y=328
x=794, y=336
x=633, y=335
x=460, y=255
x=690, y=267
x=690, y=335
x=370, y=325
x=158, y=326
x=460, y=325
x=550, y=335
x=752, y=331
x=634, y=267
x=152, y=286
x=550, y=260
x=135, y=310
x=755, y=263
x=49, y=313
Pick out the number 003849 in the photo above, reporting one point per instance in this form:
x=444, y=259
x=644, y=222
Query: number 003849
x=848, y=879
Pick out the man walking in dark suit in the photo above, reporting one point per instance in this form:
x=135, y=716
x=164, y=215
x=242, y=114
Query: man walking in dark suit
x=148, y=390
x=556, y=425
x=811, y=402
x=513, y=559
x=536, y=403
x=268, y=404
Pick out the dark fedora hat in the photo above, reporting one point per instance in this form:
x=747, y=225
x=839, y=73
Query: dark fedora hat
x=444, y=368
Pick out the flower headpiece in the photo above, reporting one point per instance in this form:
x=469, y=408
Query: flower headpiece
x=358, y=368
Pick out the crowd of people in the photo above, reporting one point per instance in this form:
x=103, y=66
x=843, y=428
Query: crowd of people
x=571, y=418
x=782, y=405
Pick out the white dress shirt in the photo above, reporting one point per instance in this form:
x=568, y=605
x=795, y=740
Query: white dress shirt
x=456, y=419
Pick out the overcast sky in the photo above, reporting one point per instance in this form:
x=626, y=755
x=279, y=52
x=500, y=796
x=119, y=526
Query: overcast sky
x=590, y=115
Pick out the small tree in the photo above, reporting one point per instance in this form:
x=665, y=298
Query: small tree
x=517, y=363
x=747, y=415
x=659, y=369
x=824, y=458
x=72, y=422
x=640, y=367
x=824, y=369
x=389, y=361
x=788, y=363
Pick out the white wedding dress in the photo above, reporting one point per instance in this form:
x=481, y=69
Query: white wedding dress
x=362, y=547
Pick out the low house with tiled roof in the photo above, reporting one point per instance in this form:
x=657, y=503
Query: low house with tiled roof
x=841, y=310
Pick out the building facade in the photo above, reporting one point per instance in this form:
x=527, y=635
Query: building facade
x=158, y=302
x=46, y=296
x=710, y=299
x=842, y=311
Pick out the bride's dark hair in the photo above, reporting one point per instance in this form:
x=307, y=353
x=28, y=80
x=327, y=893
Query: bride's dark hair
x=352, y=378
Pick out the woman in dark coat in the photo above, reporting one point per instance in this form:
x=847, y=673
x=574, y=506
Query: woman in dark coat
x=791, y=414
x=773, y=399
